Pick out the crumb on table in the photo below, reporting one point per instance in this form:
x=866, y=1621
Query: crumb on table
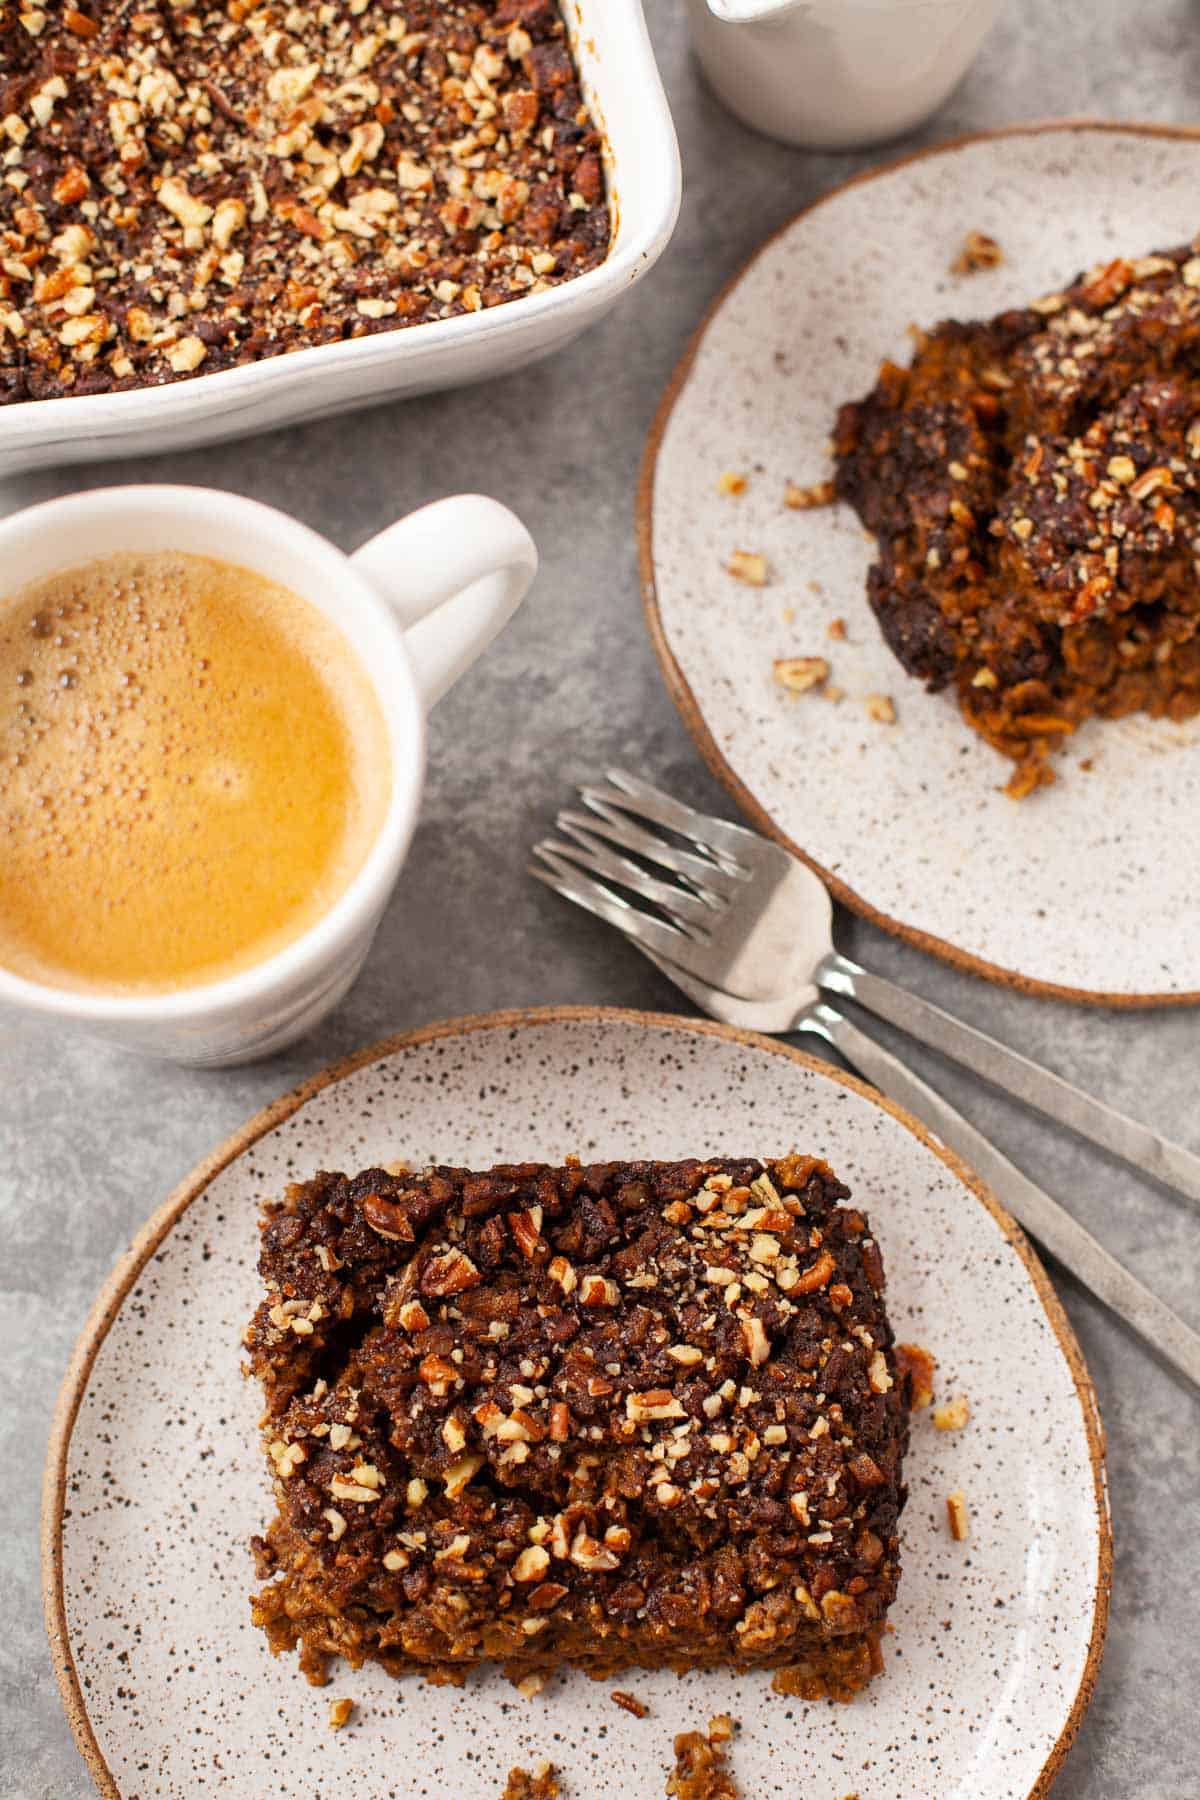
x=881, y=708
x=630, y=1702
x=339, y=1713
x=731, y=483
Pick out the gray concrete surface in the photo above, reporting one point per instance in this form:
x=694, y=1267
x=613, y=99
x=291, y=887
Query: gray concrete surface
x=90, y=1142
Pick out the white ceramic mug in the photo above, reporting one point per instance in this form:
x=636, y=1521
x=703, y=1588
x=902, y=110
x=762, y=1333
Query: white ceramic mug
x=417, y=605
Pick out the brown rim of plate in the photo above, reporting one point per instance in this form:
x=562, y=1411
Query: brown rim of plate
x=152, y=1234
x=676, y=681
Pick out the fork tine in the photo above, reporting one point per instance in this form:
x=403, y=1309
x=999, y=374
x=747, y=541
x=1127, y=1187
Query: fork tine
x=566, y=880
x=746, y=1015
x=684, y=909
x=712, y=883
x=726, y=843
x=647, y=933
x=701, y=993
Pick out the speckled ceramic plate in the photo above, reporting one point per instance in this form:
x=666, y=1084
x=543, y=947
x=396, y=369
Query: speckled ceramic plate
x=155, y=1480
x=1085, y=891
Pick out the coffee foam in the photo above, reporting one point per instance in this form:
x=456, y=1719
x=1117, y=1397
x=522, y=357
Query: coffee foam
x=193, y=765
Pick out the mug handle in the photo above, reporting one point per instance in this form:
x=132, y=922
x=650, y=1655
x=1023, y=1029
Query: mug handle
x=454, y=574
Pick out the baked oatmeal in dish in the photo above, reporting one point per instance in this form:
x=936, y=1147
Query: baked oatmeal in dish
x=626, y=1414
x=1033, y=484
x=187, y=186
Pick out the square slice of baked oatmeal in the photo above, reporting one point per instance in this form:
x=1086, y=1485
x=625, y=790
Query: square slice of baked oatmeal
x=627, y=1414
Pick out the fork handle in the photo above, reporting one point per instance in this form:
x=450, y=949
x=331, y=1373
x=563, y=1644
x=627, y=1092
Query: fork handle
x=1047, y=1221
x=1017, y=1075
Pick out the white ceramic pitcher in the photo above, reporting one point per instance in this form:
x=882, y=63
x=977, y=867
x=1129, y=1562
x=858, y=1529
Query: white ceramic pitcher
x=836, y=74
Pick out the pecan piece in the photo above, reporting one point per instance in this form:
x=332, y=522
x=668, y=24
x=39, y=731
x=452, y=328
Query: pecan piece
x=451, y=1273
x=866, y=1471
x=817, y=1275
x=546, y=1596
x=918, y=1364
x=388, y=1219
x=597, y=1290
x=526, y=1228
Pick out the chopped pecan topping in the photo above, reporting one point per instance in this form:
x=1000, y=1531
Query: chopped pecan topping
x=256, y=180
x=452, y=1273
x=1032, y=488
x=653, y=1435
x=388, y=1219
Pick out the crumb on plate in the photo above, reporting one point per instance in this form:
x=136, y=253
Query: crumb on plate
x=541, y=1785
x=920, y=1366
x=803, y=499
x=1028, y=776
x=957, y=1516
x=700, y=1771
x=800, y=673
x=952, y=1415
x=978, y=251
x=749, y=566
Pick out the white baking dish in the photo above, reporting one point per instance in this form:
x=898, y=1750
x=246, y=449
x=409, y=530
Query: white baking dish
x=621, y=82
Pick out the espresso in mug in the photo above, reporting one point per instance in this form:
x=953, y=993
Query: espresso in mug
x=193, y=767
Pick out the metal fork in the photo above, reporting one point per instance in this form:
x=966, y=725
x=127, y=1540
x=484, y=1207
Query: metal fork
x=745, y=931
